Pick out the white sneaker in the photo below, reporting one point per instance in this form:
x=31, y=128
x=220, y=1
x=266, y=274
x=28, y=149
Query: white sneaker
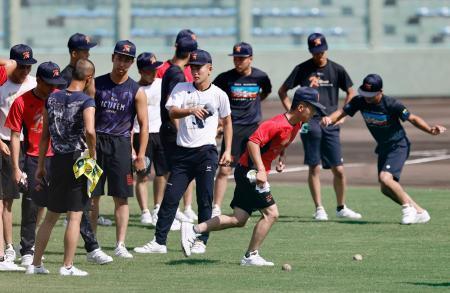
x=188, y=238
x=98, y=256
x=34, y=270
x=26, y=260
x=121, y=251
x=65, y=223
x=176, y=225
x=255, y=260
x=10, y=266
x=151, y=247
x=155, y=215
x=216, y=211
x=320, y=214
x=348, y=213
x=422, y=217
x=10, y=253
x=409, y=215
x=73, y=271
x=146, y=218
x=190, y=214
x=181, y=217
x=199, y=247
x=102, y=221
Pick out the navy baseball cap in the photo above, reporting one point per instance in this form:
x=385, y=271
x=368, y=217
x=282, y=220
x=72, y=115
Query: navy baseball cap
x=80, y=42
x=125, y=47
x=371, y=86
x=242, y=49
x=22, y=54
x=186, y=45
x=50, y=73
x=185, y=33
x=317, y=43
x=200, y=57
x=311, y=96
x=147, y=61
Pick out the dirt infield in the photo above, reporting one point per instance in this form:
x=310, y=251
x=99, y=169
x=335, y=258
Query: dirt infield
x=429, y=162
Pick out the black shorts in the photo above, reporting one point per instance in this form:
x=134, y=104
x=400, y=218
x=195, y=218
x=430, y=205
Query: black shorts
x=9, y=189
x=245, y=195
x=241, y=134
x=154, y=152
x=66, y=193
x=169, y=144
x=392, y=159
x=114, y=157
x=322, y=144
x=39, y=197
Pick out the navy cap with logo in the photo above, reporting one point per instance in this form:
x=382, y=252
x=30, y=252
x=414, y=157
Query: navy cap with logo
x=125, y=47
x=80, y=42
x=147, y=61
x=311, y=96
x=50, y=73
x=186, y=45
x=242, y=49
x=185, y=33
x=200, y=57
x=371, y=86
x=317, y=43
x=22, y=54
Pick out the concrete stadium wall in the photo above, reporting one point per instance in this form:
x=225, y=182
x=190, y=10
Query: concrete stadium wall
x=406, y=72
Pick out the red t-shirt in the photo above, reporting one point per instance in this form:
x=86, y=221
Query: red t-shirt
x=163, y=68
x=4, y=75
x=272, y=136
x=26, y=112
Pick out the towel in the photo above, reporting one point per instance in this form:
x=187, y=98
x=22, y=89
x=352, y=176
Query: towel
x=88, y=167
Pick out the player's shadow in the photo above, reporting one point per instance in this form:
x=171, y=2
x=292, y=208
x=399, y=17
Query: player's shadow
x=429, y=284
x=192, y=261
x=299, y=219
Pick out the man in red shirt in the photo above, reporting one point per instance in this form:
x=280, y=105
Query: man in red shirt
x=26, y=114
x=6, y=67
x=252, y=191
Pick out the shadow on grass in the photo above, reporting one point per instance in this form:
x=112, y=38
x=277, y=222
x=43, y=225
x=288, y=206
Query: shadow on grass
x=192, y=262
x=298, y=219
x=429, y=284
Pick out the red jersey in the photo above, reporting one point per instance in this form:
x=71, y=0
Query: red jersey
x=272, y=136
x=163, y=68
x=26, y=112
x=4, y=75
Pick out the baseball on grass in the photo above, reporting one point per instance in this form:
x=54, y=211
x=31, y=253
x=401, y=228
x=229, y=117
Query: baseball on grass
x=286, y=267
x=357, y=257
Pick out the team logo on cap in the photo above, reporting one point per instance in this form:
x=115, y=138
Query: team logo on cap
x=194, y=37
x=152, y=59
x=237, y=49
x=368, y=86
x=26, y=55
x=55, y=72
x=126, y=48
x=87, y=39
x=317, y=42
x=194, y=56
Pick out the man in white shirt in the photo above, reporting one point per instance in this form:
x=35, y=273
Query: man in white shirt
x=19, y=82
x=197, y=106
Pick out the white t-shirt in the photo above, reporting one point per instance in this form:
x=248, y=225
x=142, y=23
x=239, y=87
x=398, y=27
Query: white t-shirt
x=153, y=93
x=9, y=91
x=193, y=132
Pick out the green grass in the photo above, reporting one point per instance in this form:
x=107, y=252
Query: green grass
x=396, y=258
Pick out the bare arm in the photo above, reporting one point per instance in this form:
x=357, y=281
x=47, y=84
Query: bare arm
x=349, y=96
x=142, y=118
x=43, y=147
x=10, y=65
x=255, y=154
x=282, y=93
x=177, y=113
x=89, y=128
x=15, y=150
x=418, y=122
x=334, y=118
x=227, y=136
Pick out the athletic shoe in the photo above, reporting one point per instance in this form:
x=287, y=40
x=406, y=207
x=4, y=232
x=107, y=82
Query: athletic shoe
x=216, y=211
x=99, y=257
x=104, y=221
x=151, y=247
x=121, y=251
x=176, y=225
x=73, y=271
x=10, y=253
x=320, y=214
x=255, y=260
x=36, y=270
x=181, y=217
x=409, y=215
x=64, y=222
x=348, y=213
x=199, y=247
x=190, y=214
x=26, y=260
x=188, y=238
x=155, y=215
x=422, y=217
x=10, y=266
x=146, y=218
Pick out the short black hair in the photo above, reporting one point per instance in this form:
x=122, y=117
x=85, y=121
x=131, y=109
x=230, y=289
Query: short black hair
x=83, y=69
x=181, y=55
